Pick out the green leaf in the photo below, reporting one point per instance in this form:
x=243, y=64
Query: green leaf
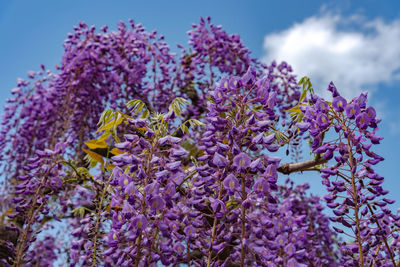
x=116, y=151
x=133, y=103
x=194, y=122
x=145, y=114
x=232, y=203
x=303, y=95
x=94, y=143
x=306, y=83
x=94, y=157
x=80, y=211
x=296, y=109
x=112, y=123
x=136, y=105
x=176, y=110
x=301, y=80
x=104, y=136
x=177, y=104
x=258, y=107
x=84, y=172
x=105, y=117
x=139, y=108
x=184, y=128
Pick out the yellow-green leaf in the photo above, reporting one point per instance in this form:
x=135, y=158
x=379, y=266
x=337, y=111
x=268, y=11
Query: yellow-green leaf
x=116, y=151
x=104, y=136
x=93, y=144
x=94, y=156
x=111, y=124
x=7, y=212
x=110, y=166
x=295, y=109
x=145, y=114
x=184, y=128
x=303, y=95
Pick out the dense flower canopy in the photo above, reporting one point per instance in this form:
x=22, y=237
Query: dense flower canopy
x=131, y=155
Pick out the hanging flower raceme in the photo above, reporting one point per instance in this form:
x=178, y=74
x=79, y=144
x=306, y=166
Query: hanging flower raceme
x=355, y=192
x=43, y=177
x=145, y=185
x=236, y=178
x=214, y=54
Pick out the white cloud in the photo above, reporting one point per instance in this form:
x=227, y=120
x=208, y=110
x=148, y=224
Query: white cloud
x=354, y=53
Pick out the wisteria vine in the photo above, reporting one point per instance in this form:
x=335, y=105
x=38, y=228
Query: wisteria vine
x=131, y=155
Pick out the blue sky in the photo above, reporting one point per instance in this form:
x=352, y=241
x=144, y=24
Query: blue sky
x=354, y=43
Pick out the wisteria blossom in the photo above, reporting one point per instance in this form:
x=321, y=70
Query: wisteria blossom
x=132, y=155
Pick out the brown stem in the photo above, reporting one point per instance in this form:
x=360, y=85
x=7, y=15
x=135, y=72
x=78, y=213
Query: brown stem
x=384, y=237
x=211, y=242
x=99, y=209
x=213, y=229
x=138, y=250
x=154, y=242
x=31, y=215
x=147, y=171
x=97, y=225
x=355, y=200
x=242, y=249
x=288, y=168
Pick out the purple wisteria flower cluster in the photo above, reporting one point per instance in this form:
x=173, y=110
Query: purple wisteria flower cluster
x=355, y=192
x=131, y=155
